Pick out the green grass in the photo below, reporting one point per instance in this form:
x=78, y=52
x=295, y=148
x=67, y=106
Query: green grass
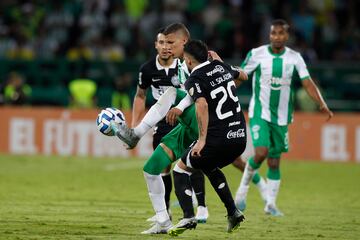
x=88, y=198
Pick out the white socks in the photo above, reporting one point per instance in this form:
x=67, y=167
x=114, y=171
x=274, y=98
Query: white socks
x=157, y=112
x=245, y=182
x=273, y=187
x=262, y=187
x=156, y=191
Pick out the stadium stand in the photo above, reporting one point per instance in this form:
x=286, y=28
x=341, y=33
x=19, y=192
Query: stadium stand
x=53, y=42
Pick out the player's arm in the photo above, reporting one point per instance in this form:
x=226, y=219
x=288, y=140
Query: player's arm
x=202, y=116
x=175, y=112
x=238, y=73
x=144, y=83
x=247, y=67
x=310, y=86
x=138, y=106
x=194, y=88
x=315, y=94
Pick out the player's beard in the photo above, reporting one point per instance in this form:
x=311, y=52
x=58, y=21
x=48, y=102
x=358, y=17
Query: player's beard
x=165, y=59
x=278, y=46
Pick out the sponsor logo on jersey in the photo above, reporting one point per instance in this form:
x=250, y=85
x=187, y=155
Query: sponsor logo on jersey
x=156, y=79
x=276, y=83
x=234, y=123
x=198, y=89
x=236, y=134
x=218, y=68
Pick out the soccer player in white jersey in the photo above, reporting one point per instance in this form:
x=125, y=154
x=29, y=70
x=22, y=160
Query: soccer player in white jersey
x=273, y=67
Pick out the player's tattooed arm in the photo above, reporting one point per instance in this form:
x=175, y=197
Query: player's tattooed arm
x=138, y=106
x=202, y=116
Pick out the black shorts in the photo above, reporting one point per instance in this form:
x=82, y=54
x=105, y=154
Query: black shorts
x=213, y=157
x=160, y=130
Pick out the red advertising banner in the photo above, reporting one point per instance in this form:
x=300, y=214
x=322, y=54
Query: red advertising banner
x=58, y=131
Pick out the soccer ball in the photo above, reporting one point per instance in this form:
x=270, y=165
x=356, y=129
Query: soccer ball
x=104, y=118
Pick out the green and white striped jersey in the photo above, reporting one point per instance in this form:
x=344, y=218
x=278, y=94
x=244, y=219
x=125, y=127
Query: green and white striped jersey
x=272, y=83
x=183, y=71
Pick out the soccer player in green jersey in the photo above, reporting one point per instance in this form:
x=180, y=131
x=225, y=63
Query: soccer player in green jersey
x=273, y=67
x=173, y=144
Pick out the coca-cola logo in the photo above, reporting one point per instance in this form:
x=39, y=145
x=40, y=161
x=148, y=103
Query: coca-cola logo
x=236, y=134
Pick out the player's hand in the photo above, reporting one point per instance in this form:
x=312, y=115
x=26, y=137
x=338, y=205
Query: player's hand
x=326, y=110
x=172, y=115
x=199, y=145
x=214, y=56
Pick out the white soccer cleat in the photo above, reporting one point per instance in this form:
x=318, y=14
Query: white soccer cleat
x=125, y=134
x=272, y=210
x=151, y=219
x=159, y=228
x=240, y=203
x=202, y=214
x=240, y=197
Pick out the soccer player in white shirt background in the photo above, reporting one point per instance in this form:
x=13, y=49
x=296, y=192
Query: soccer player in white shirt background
x=274, y=68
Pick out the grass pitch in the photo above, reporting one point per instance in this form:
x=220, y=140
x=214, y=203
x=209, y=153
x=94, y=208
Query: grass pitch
x=89, y=198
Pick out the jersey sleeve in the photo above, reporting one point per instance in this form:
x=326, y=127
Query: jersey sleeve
x=301, y=68
x=234, y=70
x=194, y=88
x=144, y=78
x=250, y=64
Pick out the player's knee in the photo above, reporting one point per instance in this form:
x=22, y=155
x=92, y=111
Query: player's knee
x=239, y=163
x=167, y=169
x=168, y=96
x=261, y=153
x=273, y=163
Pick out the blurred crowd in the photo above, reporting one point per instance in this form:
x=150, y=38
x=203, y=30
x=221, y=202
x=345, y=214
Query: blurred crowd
x=115, y=30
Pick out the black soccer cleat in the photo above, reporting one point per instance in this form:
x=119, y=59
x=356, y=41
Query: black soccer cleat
x=235, y=220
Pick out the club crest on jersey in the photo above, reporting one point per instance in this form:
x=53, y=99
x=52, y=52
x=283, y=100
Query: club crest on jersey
x=217, y=68
x=175, y=81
